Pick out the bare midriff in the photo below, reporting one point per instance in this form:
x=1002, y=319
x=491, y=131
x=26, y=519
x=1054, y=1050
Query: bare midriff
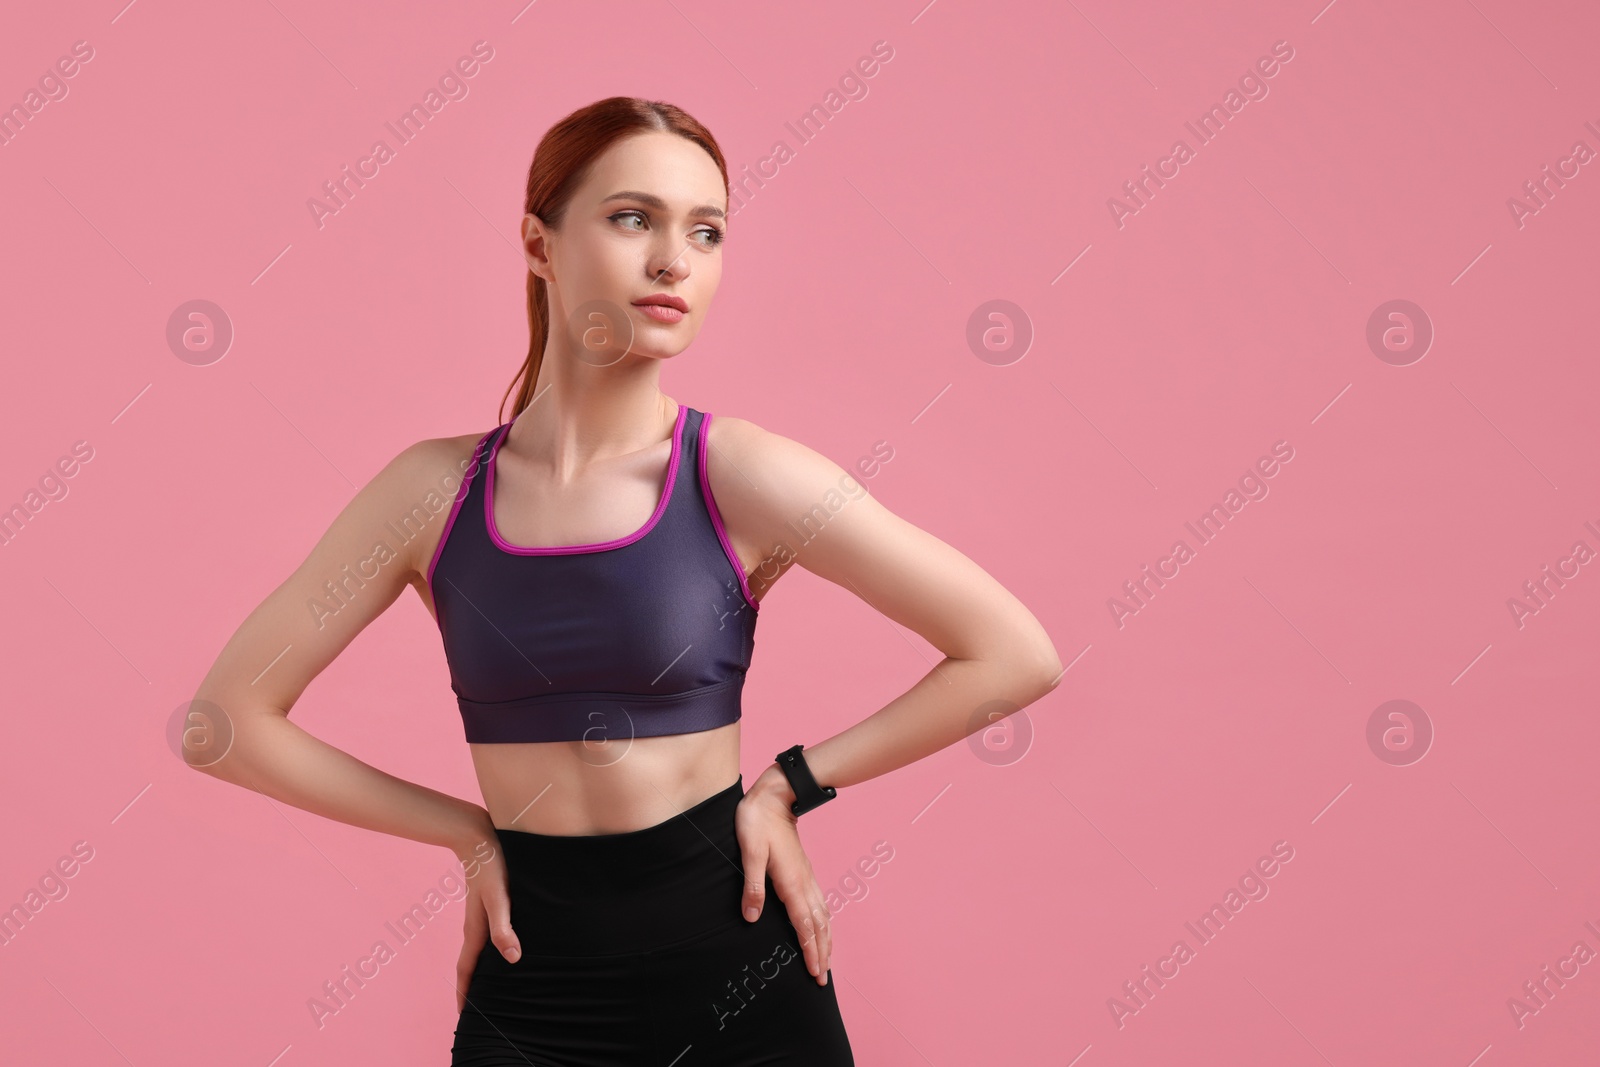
x=569, y=788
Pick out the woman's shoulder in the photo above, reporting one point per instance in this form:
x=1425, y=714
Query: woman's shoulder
x=432, y=466
x=431, y=450
x=744, y=445
x=766, y=474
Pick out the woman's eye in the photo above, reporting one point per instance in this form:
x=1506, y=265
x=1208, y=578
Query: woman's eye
x=710, y=237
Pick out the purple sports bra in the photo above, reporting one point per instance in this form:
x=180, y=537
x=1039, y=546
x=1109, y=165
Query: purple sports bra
x=646, y=635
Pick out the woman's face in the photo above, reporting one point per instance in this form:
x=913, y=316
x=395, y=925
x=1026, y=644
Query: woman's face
x=646, y=223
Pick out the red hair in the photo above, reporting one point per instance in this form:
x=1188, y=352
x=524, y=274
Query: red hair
x=559, y=165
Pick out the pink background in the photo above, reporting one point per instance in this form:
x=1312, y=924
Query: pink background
x=1229, y=313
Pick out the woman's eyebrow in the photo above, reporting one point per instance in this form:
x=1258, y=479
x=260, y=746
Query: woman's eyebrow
x=704, y=211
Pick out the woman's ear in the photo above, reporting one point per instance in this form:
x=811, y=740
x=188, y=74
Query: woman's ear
x=536, y=246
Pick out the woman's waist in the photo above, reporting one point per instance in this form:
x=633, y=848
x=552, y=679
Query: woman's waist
x=596, y=788
x=644, y=815
x=598, y=894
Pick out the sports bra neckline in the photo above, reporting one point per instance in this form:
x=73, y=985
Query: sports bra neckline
x=673, y=462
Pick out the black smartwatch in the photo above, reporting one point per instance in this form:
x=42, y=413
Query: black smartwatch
x=807, y=793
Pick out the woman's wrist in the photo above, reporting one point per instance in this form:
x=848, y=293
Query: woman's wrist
x=772, y=784
x=474, y=829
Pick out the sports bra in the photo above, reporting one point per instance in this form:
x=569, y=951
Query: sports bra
x=644, y=635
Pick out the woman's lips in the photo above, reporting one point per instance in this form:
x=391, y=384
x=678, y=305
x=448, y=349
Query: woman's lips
x=660, y=312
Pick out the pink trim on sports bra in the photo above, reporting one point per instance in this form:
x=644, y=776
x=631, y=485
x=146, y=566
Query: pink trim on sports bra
x=716, y=516
x=600, y=546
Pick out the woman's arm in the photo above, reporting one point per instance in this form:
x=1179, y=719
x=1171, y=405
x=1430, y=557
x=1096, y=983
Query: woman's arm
x=287, y=641
x=996, y=654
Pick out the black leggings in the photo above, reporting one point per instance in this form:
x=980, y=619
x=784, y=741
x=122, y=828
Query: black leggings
x=634, y=953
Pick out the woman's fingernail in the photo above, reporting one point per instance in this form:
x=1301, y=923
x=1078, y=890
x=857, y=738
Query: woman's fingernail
x=751, y=913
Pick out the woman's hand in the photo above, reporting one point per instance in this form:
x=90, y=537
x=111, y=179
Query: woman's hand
x=769, y=842
x=488, y=903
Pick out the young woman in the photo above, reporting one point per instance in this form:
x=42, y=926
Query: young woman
x=595, y=566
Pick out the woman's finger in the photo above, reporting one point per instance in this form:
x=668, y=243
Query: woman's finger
x=497, y=906
x=804, y=926
x=475, y=931
x=754, y=854
x=819, y=908
x=796, y=886
x=812, y=934
x=810, y=894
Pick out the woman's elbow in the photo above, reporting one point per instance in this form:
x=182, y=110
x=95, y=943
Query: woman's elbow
x=1031, y=671
x=209, y=739
x=1047, y=670
x=1040, y=664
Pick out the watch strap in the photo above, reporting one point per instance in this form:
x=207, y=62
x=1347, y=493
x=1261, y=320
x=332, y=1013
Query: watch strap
x=807, y=793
